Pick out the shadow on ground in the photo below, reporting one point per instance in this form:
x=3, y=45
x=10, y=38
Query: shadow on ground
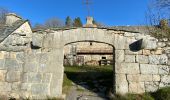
x=98, y=81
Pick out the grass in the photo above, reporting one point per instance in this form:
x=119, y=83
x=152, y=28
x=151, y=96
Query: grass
x=77, y=74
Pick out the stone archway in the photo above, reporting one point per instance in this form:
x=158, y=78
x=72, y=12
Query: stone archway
x=60, y=38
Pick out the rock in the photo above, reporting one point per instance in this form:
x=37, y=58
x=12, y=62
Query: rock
x=37, y=40
x=34, y=77
x=119, y=55
x=136, y=87
x=158, y=59
x=165, y=79
x=161, y=44
x=151, y=86
x=31, y=66
x=40, y=89
x=12, y=64
x=2, y=63
x=127, y=68
x=146, y=52
x=13, y=76
x=2, y=75
x=130, y=58
x=142, y=59
x=164, y=69
x=5, y=87
x=121, y=84
x=148, y=69
x=156, y=78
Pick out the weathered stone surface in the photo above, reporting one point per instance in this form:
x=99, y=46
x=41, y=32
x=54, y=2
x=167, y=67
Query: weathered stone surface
x=167, y=50
x=156, y=78
x=5, y=87
x=158, y=59
x=47, y=78
x=127, y=68
x=130, y=58
x=2, y=64
x=142, y=59
x=12, y=64
x=119, y=55
x=136, y=87
x=150, y=44
x=139, y=78
x=16, y=86
x=163, y=69
x=37, y=40
x=151, y=86
x=31, y=67
x=165, y=80
x=146, y=52
x=20, y=56
x=13, y=76
x=148, y=69
x=2, y=75
x=40, y=89
x=129, y=52
x=2, y=54
x=26, y=86
x=121, y=84
x=161, y=44
x=33, y=77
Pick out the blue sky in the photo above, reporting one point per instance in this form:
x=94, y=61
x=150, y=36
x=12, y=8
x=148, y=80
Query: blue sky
x=109, y=12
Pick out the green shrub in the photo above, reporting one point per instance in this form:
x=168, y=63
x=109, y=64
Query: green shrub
x=162, y=94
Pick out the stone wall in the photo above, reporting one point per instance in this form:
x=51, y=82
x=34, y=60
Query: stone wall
x=145, y=70
x=141, y=62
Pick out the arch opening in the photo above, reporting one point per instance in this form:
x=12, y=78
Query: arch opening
x=89, y=65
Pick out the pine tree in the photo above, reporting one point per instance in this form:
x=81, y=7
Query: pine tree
x=68, y=22
x=77, y=22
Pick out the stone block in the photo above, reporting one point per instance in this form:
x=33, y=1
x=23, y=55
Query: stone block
x=156, y=78
x=149, y=44
x=31, y=67
x=13, y=76
x=20, y=56
x=119, y=42
x=5, y=87
x=16, y=86
x=151, y=86
x=12, y=55
x=47, y=78
x=26, y=86
x=119, y=55
x=12, y=64
x=139, y=78
x=40, y=89
x=129, y=52
x=2, y=63
x=127, y=68
x=146, y=52
x=121, y=84
x=34, y=77
x=165, y=79
x=2, y=55
x=142, y=59
x=148, y=69
x=163, y=69
x=136, y=87
x=158, y=59
x=2, y=75
x=158, y=52
x=130, y=58
x=161, y=44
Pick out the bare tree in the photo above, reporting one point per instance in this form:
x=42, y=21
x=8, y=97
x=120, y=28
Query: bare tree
x=3, y=13
x=54, y=23
x=158, y=17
